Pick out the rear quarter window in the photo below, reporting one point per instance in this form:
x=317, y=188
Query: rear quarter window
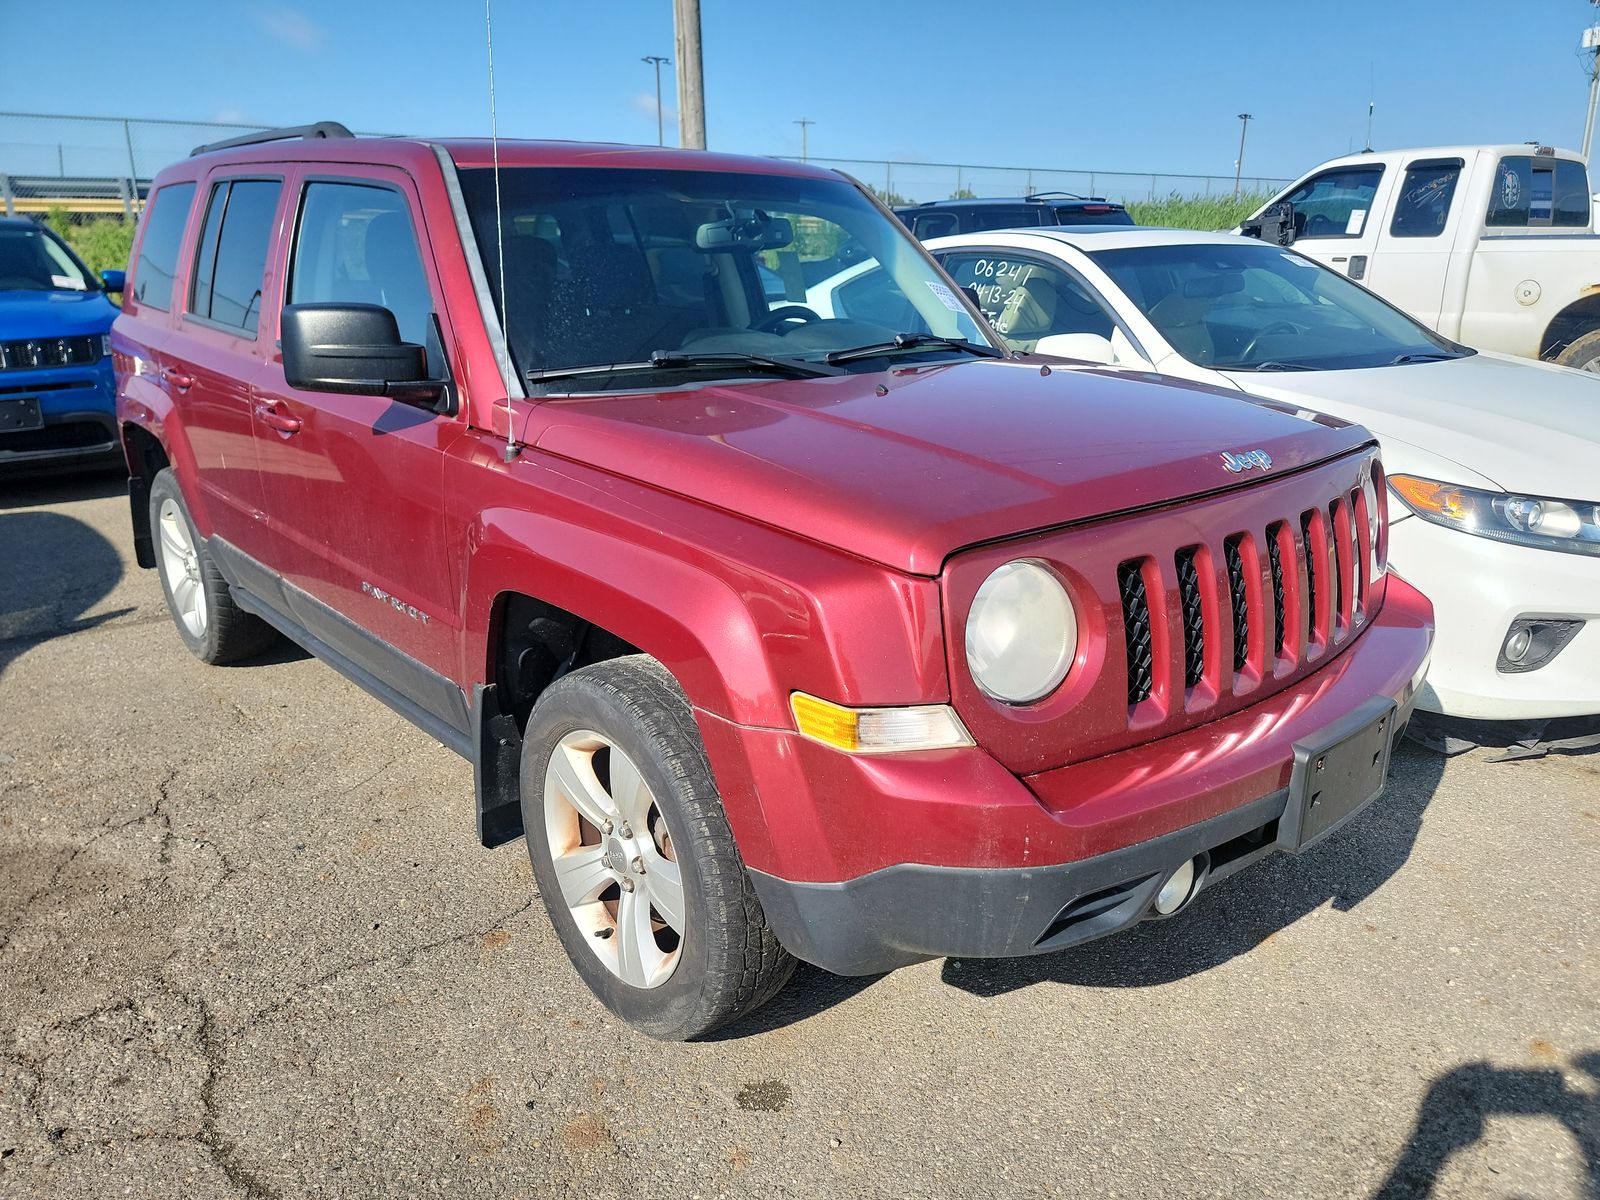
x=164, y=220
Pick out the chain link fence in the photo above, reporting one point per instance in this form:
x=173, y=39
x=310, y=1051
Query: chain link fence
x=900, y=182
x=88, y=168
x=88, y=177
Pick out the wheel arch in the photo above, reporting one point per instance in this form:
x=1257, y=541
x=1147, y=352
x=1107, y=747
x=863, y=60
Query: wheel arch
x=1572, y=322
x=584, y=597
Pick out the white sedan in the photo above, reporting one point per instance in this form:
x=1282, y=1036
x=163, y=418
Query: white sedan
x=1494, y=462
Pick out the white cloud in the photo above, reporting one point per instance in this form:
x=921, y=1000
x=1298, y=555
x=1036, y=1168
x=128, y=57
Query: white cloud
x=645, y=102
x=291, y=27
x=229, y=116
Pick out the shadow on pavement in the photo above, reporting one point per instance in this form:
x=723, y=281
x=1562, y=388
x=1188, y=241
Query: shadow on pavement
x=1453, y=1112
x=38, y=491
x=811, y=991
x=1243, y=910
x=55, y=568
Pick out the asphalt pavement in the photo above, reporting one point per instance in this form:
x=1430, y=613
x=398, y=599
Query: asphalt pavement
x=249, y=947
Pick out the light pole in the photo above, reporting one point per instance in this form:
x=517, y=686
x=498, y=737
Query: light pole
x=803, y=122
x=1238, y=166
x=1591, y=42
x=656, y=60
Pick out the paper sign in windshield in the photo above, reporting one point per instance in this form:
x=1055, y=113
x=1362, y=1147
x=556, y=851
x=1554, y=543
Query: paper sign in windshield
x=1358, y=218
x=946, y=297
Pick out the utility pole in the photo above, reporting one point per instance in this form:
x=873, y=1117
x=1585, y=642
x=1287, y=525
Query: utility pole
x=656, y=60
x=1238, y=165
x=803, y=122
x=691, y=79
x=1591, y=42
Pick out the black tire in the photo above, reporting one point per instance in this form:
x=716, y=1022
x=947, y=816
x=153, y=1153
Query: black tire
x=728, y=961
x=228, y=633
x=1583, y=353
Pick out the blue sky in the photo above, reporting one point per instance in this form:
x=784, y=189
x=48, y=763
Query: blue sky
x=1115, y=85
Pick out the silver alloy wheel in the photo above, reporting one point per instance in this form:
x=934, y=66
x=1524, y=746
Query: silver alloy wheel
x=614, y=859
x=180, y=563
x=1593, y=365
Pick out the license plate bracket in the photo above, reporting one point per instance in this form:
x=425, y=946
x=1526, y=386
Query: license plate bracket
x=20, y=414
x=1337, y=773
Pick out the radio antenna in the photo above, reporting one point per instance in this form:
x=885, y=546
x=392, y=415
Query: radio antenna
x=499, y=228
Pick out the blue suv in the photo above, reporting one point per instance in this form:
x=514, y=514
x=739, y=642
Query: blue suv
x=57, y=396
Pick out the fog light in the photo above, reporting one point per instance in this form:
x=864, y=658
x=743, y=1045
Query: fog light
x=1517, y=644
x=1531, y=642
x=1176, y=889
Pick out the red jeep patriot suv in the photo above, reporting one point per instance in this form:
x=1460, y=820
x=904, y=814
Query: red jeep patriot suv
x=846, y=639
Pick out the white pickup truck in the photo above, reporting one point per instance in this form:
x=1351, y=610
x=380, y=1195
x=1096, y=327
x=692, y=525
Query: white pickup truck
x=1494, y=246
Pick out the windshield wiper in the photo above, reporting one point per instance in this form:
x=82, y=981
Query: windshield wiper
x=1273, y=364
x=913, y=341
x=667, y=360
x=1429, y=356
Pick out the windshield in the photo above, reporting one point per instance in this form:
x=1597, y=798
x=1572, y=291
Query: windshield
x=621, y=265
x=1255, y=307
x=35, y=260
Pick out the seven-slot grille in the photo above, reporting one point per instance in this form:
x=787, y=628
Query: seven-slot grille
x=1319, y=584
x=49, y=352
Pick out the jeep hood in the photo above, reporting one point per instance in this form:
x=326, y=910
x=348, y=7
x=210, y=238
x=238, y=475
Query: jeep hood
x=904, y=467
x=31, y=314
x=1523, y=426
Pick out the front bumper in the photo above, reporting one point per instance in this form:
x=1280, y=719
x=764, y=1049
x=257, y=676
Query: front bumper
x=78, y=404
x=990, y=865
x=1478, y=587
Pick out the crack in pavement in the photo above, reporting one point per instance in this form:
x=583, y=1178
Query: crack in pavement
x=404, y=957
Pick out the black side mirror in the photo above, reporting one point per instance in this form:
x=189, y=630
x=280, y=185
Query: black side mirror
x=1277, y=223
x=354, y=348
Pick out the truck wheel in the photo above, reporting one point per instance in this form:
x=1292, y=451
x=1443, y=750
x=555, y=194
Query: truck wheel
x=1582, y=352
x=634, y=858
x=212, y=626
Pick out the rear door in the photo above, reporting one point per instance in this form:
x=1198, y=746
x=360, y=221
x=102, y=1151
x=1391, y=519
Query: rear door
x=1417, y=242
x=353, y=484
x=218, y=347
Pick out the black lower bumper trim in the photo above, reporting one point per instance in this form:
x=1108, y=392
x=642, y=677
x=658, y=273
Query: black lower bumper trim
x=911, y=912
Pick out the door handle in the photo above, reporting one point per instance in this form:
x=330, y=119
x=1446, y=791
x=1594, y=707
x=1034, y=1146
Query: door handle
x=282, y=422
x=178, y=379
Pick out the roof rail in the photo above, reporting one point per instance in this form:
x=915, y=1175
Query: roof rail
x=1057, y=196
x=322, y=129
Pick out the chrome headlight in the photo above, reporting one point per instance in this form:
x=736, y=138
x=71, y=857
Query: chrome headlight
x=1022, y=633
x=1369, y=493
x=1569, y=525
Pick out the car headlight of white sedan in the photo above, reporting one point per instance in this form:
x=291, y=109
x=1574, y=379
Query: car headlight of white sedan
x=1572, y=526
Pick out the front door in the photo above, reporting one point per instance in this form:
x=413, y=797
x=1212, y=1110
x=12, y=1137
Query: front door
x=353, y=484
x=1334, y=217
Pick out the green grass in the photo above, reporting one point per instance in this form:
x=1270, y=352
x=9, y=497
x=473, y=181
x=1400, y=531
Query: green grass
x=103, y=243
x=1196, y=212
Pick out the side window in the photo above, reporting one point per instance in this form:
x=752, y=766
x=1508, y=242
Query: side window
x=1571, y=208
x=1511, y=193
x=231, y=267
x=158, y=252
x=934, y=224
x=1336, y=203
x=981, y=220
x=874, y=296
x=1026, y=300
x=1423, y=205
x=356, y=245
